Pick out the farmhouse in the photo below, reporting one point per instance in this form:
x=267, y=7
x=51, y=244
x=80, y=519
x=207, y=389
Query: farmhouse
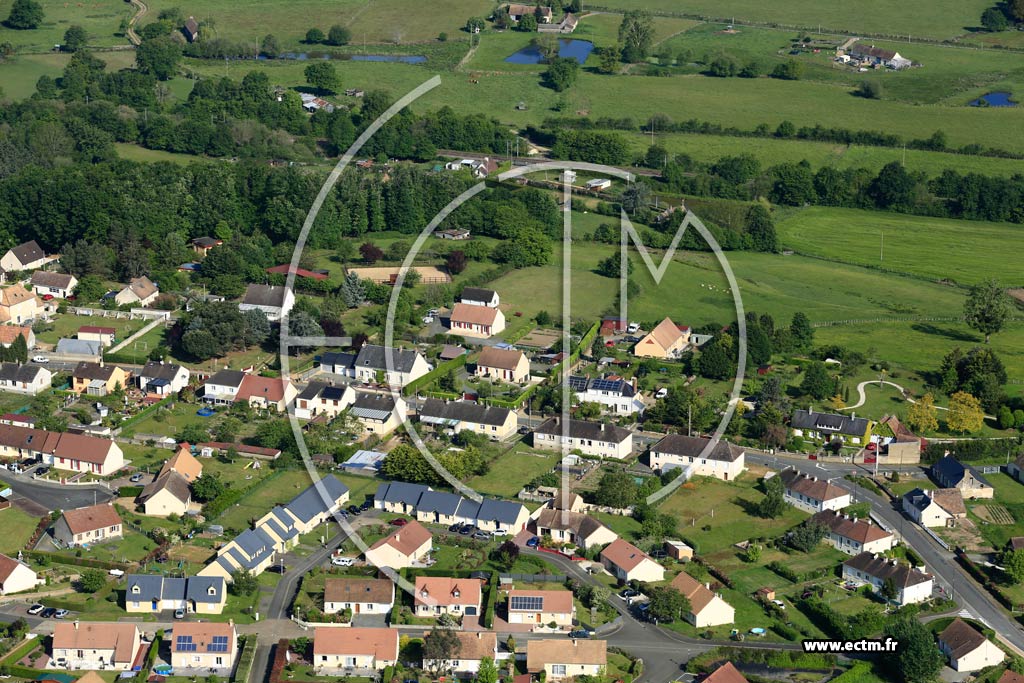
x=478, y=296
x=516, y=11
x=204, y=645
x=724, y=461
x=141, y=292
x=163, y=379
x=667, y=340
x=406, y=365
x=378, y=413
x=559, y=659
x=706, y=608
x=273, y=301
x=614, y=394
x=812, y=494
x=16, y=577
x=402, y=547
x=24, y=379
x=541, y=607
x=97, y=379
x=473, y=647
x=829, y=426
x=911, y=585
x=17, y=305
x=336, y=648
x=26, y=256
x=591, y=438
x=156, y=593
x=88, y=525
x=360, y=595
x=444, y=595
x=319, y=398
x=853, y=536
x=496, y=423
x=626, y=562
x=948, y=473
x=101, y=645
x=930, y=508
x=505, y=365
x=869, y=54
x=967, y=648
x=54, y=285
x=565, y=526
x=476, y=321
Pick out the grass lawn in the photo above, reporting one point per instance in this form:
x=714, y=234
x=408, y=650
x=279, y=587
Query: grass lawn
x=282, y=488
x=510, y=472
x=66, y=326
x=133, y=547
x=133, y=152
x=905, y=486
x=100, y=18
x=20, y=72
x=168, y=421
x=20, y=526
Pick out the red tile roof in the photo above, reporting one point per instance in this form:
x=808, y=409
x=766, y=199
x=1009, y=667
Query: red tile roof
x=91, y=518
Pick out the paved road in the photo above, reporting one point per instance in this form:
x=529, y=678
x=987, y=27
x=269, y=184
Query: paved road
x=939, y=561
x=47, y=496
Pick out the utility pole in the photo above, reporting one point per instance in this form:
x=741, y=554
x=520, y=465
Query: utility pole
x=881, y=246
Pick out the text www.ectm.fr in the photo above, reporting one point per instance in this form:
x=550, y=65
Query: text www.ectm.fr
x=862, y=645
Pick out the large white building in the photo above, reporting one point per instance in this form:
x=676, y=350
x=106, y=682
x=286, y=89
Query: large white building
x=591, y=438
x=811, y=493
x=724, y=461
x=912, y=585
x=615, y=396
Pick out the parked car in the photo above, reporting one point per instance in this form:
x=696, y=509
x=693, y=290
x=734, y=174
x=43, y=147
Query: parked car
x=135, y=478
x=580, y=633
x=779, y=604
x=482, y=536
x=533, y=542
x=662, y=393
x=41, y=471
x=427, y=319
x=36, y=608
x=343, y=561
x=40, y=359
x=455, y=528
x=658, y=554
x=179, y=613
x=354, y=510
x=60, y=614
x=628, y=593
x=366, y=505
x=399, y=521
x=466, y=529
x=523, y=430
x=633, y=328
x=48, y=613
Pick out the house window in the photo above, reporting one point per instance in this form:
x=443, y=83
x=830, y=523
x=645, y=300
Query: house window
x=558, y=669
x=350, y=661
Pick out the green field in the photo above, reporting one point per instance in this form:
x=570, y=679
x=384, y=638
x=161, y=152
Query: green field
x=100, y=18
x=19, y=73
x=916, y=245
x=66, y=326
x=509, y=473
x=20, y=527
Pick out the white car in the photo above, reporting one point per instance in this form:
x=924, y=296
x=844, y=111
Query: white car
x=343, y=561
x=427, y=320
x=40, y=359
x=633, y=328
x=779, y=604
x=662, y=393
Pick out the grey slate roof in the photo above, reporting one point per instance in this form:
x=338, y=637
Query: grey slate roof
x=581, y=429
x=199, y=588
x=173, y=482
x=157, y=370
x=312, y=391
x=373, y=356
x=401, y=492
x=150, y=587
x=15, y=372
x=477, y=294
x=438, y=501
x=45, y=278
x=264, y=295
x=948, y=472
x=78, y=347
x=227, y=378
x=468, y=509
x=917, y=499
x=503, y=511
x=334, y=358
x=463, y=411
x=882, y=568
x=829, y=422
x=373, y=406
x=691, y=446
x=311, y=503
x=93, y=371
x=255, y=545
x=157, y=587
x=27, y=252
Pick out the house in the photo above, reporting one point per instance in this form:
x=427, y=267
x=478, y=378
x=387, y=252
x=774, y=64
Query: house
x=707, y=609
x=16, y=577
x=853, y=536
x=61, y=450
x=399, y=497
x=54, y=285
x=378, y=413
x=274, y=301
x=253, y=550
x=266, y=393
x=317, y=504
x=598, y=184
x=444, y=595
x=911, y=585
x=320, y=398
x=97, y=379
x=99, y=645
x=393, y=366
x=480, y=168
x=140, y=292
x=613, y=326
x=17, y=305
x=473, y=647
x=626, y=562
x=500, y=517
x=358, y=595
x=478, y=296
x=24, y=379
x=222, y=387
x=74, y=349
x=516, y=11
x=678, y=550
x=562, y=499
x=94, y=333
x=541, y=607
x=496, y=423
x=591, y=438
x=948, y=473
x=454, y=234
x=724, y=461
x=191, y=30
x=561, y=659
x=812, y=494
x=504, y=365
x=26, y=256
x=163, y=379
x=897, y=444
x=402, y=547
x=169, y=494
x=335, y=363
x=203, y=245
x=931, y=508
x=476, y=321
x=157, y=593
x=337, y=648
x=439, y=507
x=566, y=526
x=869, y=54
x=967, y=648
x=614, y=394
x=204, y=645
x=667, y=340
x=830, y=426
x=725, y=673
x=88, y=525
x=10, y=333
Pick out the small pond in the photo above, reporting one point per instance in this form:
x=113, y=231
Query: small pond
x=574, y=49
x=994, y=99
x=303, y=56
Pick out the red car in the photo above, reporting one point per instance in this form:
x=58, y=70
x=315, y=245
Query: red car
x=399, y=522
x=47, y=297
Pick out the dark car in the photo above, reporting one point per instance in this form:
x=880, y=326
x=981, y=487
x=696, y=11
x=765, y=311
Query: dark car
x=533, y=542
x=367, y=504
x=455, y=528
x=48, y=613
x=523, y=430
x=466, y=529
x=354, y=510
x=42, y=470
x=580, y=633
x=399, y=521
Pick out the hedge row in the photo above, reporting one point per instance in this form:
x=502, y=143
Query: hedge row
x=76, y=561
x=492, y=601
x=982, y=578
x=714, y=571
x=797, y=577
x=246, y=657
x=130, y=491
x=145, y=412
x=429, y=378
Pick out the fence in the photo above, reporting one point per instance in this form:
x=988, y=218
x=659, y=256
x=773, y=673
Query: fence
x=534, y=578
x=936, y=537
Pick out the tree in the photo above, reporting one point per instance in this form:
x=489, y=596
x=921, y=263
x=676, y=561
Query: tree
x=916, y=659
x=612, y=266
x=723, y=67
x=507, y=553
x=994, y=19
x=25, y=14
x=1012, y=562
x=314, y=36
x=456, y=262
x=817, y=383
x=666, y=604
x=243, y=582
x=562, y=73
x=773, y=503
x=269, y=46
x=636, y=34
x=527, y=23
x=487, y=672
x=807, y=536
x=789, y=70
x=370, y=252
x=890, y=591
x=475, y=24
x=338, y=35
x=609, y=59
x=257, y=327
x=987, y=307
x=965, y=413
x=74, y=39
x=636, y=196
x=207, y=487
x=158, y=56
x=322, y=76
x=440, y=646
x=353, y=291
x=715, y=360
x=91, y=581
x=869, y=90
x=1017, y=9
x=801, y=332
x=616, y=489
x=922, y=415
x=761, y=229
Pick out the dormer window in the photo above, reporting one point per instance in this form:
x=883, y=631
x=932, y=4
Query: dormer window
x=135, y=589
x=210, y=590
x=424, y=593
x=455, y=593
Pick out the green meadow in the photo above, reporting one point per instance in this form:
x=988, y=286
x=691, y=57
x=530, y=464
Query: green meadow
x=100, y=18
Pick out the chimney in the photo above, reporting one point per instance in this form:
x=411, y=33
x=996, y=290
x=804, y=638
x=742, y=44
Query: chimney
x=231, y=623
x=810, y=411
x=76, y=624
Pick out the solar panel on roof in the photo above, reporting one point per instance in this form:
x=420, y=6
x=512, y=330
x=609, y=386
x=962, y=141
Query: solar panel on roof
x=219, y=644
x=605, y=385
x=577, y=383
x=526, y=602
x=184, y=644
